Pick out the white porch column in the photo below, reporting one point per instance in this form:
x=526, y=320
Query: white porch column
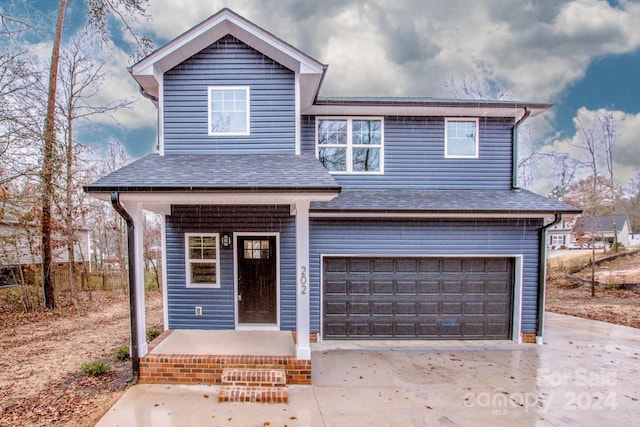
x=303, y=346
x=138, y=222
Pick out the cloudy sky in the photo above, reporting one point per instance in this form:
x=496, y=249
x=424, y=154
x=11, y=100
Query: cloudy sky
x=580, y=55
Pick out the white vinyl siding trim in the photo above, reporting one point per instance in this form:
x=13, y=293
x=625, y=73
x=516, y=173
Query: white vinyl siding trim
x=189, y=261
x=232, y=104
x=350, y=146
x=449, y=142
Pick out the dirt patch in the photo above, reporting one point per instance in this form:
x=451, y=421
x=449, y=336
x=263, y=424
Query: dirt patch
x=40, y=379
x=621, y=307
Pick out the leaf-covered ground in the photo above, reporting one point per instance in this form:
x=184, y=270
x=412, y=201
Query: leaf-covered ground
x=609, y=305
x=40, y=379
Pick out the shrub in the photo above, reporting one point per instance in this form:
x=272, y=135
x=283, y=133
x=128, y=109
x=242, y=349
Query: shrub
x=152, y=333
x=95, y=368
x=122, y=352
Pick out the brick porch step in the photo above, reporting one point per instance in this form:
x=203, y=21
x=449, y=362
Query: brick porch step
x=234, y=393
x=254, y=377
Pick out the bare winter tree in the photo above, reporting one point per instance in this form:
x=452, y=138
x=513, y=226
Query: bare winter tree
x=607, y=124
x=596, y=138
x=81, y=78
x=565, y=168
x=99, y=13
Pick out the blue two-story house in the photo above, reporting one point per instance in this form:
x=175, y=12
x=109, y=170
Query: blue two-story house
x=341, y=218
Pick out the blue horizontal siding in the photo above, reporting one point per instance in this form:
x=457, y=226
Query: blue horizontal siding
x=414, y=156
x=218, y=304
x=428, y=237
x=232, y=63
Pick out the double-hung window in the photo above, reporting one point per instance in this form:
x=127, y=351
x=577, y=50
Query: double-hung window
x=461, y=138
x=350, y=145
x=229, y=110
x=201, y=260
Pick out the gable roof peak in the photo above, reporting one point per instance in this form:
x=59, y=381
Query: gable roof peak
x=148, y=71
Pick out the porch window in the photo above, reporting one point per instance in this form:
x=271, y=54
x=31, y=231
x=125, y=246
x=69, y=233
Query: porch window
x=461, y=138
x=201, y=260
x=229, y=110
x=350, y=145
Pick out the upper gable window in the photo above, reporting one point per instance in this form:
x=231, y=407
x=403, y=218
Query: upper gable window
x=229, y=110
x=461, y=138
x=350, y=145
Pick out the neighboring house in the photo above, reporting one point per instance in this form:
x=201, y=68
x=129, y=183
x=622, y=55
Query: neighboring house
x=20, y=245
x=560, y=236
x=349, y=218
x=601, y=228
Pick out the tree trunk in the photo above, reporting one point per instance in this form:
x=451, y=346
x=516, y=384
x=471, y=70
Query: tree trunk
x=48, y=162
x=69, y=211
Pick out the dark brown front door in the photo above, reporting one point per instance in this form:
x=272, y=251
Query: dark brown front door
x=257, y=293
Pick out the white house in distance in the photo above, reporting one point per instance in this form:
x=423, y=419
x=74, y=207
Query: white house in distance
x=20, y=245
x=561, y=235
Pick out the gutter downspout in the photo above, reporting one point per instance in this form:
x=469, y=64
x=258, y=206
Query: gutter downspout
x=542, y=277
x=515, y=185
x=133, y=313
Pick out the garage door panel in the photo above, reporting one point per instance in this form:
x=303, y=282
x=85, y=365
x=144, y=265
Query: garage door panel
x=335, y=265
x=382, y=308
x=450, y=308
x=427, y=298
x=359, y=265
x=429, y=265
x=406, y=265
x=335, y=287
x=406, y=287
x=471, y=308
x=337, y=308
x=427, y=308
x=449, y=287
x=382, y=265
x=405, y=308
x=428, y=287
x=382, y=287
x=450, y=265
x=359, y=287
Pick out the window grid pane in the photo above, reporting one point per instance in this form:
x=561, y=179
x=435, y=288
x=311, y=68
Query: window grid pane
x=228, y=110
x=461, y=138
x=202, y=260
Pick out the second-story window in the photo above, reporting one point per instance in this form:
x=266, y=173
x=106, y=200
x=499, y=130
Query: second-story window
x=229, y=112
x=350, y=145
x=461, y=138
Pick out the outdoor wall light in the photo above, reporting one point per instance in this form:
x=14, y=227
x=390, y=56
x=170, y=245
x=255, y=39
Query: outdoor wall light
x=226, y=240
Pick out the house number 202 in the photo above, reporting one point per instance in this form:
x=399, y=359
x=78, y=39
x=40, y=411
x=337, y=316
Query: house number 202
x=303, y=280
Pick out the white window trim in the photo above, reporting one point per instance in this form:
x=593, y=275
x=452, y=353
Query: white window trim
x=349, y=147
x=247, y=90
x=446, y=142
x=187, y=261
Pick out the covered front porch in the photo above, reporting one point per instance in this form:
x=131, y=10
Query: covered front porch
x=212, y=197
x=202, y=356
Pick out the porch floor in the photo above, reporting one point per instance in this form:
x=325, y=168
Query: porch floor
x=207, y=342
x=202, y=356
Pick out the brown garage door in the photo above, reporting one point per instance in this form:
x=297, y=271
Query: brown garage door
x=417, y=298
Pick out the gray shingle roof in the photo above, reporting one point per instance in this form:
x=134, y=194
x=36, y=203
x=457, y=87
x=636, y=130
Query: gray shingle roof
x=599, y=223
x=445, y=201
x=243, y=172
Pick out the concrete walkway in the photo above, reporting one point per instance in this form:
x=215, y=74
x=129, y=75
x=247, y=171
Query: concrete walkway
x=585, y=373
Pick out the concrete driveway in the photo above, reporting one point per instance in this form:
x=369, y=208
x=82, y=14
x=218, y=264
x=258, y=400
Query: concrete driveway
x=585, y=373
